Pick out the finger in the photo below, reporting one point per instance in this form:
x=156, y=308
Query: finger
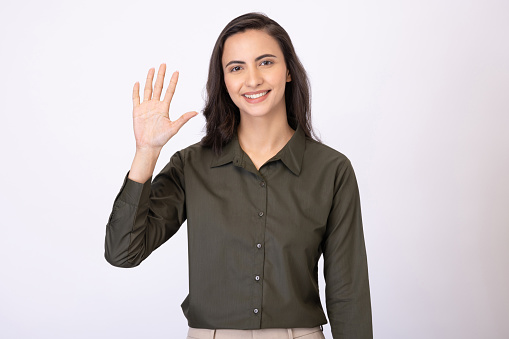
x=148, y=84
x=171, y=88
x=183, y=119
x=158, y=88
x=136, y=94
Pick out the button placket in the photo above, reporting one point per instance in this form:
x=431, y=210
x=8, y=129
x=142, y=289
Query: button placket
x=259, y=253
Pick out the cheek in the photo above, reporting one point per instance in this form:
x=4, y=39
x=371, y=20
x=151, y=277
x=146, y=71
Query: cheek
x=230, y=85
x=279, y=79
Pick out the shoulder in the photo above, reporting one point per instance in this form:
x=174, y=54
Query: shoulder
x=325, y=161
x=317, y=152
x=194, y=148
x=195, y=153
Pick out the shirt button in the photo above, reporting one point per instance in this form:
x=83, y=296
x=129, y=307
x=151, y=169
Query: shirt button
x=259, y=245
x=260, y=214
x=255, y=310
x=262, y=183
x=257, y=278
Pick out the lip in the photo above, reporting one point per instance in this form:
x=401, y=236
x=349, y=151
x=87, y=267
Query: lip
x=257, y=100
x=252, y=93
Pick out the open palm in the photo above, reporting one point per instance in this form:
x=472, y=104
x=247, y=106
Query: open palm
x=152, y=125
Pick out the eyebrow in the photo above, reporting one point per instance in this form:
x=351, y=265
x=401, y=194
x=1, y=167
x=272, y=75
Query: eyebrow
x=258, y=58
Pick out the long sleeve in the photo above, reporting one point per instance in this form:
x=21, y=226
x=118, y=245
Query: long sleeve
x=345, y=261
x=146, y=215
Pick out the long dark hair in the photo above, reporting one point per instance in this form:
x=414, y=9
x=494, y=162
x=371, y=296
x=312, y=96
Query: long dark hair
x=222, y=115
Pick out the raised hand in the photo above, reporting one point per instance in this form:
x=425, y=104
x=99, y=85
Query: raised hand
x=152, y=125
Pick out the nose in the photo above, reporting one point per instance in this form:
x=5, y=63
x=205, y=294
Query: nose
x=253, y=77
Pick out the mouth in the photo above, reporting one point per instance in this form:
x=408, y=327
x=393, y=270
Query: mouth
x=256, y=95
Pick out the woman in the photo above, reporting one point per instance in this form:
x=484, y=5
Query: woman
x=262, y=199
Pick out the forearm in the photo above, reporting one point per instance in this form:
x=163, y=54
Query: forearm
x=143, y=165
x=345, y=262
x=146, y=214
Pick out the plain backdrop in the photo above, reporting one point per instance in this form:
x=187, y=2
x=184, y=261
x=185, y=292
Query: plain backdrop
x=415, y=93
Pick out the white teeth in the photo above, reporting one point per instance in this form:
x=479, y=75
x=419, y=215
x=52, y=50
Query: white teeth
x=254, y=96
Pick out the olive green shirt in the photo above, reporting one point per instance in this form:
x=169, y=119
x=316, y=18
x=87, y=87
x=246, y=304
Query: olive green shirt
x=255, y=236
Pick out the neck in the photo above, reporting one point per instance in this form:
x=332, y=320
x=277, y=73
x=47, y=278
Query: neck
x=262, y=135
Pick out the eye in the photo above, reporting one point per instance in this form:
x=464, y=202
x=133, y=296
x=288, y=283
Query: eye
x=266, y=62
x=235, y=69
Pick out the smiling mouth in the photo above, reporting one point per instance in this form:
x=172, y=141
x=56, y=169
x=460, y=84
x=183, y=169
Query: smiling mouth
x=256, y=96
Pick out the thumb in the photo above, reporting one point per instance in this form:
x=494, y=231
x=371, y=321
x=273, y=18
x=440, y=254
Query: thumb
x=183, y=119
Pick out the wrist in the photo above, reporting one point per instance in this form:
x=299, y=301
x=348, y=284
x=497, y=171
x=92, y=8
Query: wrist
x=148, y=152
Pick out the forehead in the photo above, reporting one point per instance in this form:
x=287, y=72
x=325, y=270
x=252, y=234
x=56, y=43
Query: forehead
x=248, y=45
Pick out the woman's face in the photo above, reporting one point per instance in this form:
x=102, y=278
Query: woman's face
x=255, y=73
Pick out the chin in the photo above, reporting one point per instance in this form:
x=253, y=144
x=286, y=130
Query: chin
x=255, y=113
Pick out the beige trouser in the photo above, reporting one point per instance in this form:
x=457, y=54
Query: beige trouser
x=264, y=333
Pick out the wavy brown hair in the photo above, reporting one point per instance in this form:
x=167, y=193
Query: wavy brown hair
x=222, y=115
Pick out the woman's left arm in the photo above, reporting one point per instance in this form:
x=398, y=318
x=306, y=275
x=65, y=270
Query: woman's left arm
x=345, y=262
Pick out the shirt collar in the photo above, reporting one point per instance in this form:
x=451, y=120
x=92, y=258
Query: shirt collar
x=291, y=154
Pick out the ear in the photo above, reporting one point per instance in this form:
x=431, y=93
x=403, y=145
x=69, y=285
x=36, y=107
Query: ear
x=288, y=76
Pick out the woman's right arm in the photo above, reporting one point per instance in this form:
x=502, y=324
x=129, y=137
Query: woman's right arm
x=152, y=125
x=145, y=214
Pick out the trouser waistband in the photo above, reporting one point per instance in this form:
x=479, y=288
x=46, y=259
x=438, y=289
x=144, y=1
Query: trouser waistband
x=264, y=333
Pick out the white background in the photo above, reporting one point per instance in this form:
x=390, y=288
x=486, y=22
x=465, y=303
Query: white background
x=415, y=93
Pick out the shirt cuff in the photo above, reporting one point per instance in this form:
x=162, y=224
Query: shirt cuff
x=134, y=193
